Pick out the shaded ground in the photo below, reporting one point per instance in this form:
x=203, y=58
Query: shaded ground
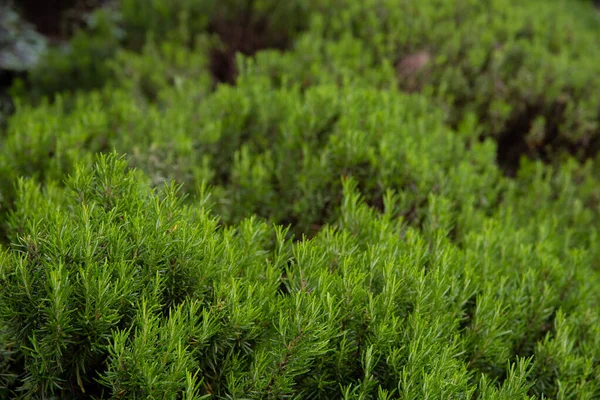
x=57, y=19
x=243, y=35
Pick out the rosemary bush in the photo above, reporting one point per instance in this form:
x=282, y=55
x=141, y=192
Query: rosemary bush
x=351, y=217
x=115, y=290
x=526, y=70
x=281, y=162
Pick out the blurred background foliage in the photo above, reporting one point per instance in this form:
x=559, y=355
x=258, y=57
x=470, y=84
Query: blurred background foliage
x=527, y=71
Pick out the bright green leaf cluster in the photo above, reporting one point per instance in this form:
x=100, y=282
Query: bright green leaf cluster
x=111, y=288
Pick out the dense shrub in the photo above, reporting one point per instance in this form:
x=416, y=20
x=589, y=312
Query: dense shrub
x=517, y=74
x=526, y=69
x=111, y=288
x=83, y=62
x=334, y=223
x=282, y=162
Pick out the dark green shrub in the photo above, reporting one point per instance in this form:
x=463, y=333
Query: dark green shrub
x=515, y=74
x=83, y=62
x=532, y=88
x=527, y=70
x=79, y=64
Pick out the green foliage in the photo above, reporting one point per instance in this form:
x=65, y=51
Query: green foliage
x=83, y=62
x=281, y=162
x=526, y=69
x=528, y=74
x=314, y=230
x=112, y=289
x=79, y=64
